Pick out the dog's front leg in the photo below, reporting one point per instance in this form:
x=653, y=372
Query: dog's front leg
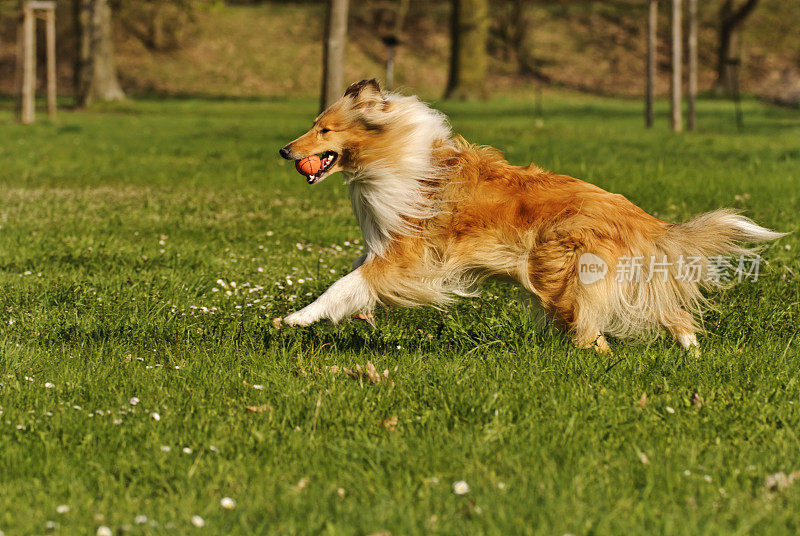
x=349, y=295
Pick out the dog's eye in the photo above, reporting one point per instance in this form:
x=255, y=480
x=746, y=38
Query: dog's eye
x=325, y=131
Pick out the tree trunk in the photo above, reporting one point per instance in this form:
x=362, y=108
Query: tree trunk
x=333, y=54
x=468, y=56
x=677, y=57
x=157, y=39
x=730, y=21
x=95, y=68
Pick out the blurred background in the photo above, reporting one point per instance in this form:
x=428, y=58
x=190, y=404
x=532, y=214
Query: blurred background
x=251, y=48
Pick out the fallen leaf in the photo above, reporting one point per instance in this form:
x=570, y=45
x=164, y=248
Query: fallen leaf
x=259, y=409
x=362, y=316
x=643, y=400
x=370, y=373
x=277, y=322
x=390, y=423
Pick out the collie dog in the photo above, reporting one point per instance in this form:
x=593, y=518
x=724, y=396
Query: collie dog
x=439, y=215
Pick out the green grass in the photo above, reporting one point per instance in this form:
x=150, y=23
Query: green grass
x=116, y=224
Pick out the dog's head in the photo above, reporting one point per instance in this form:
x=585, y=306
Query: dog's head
x=342, y=132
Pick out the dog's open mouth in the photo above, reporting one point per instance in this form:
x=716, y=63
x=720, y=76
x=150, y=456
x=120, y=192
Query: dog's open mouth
x=327, y=160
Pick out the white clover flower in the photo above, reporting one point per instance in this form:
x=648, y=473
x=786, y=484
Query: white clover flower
x=48, y=385
x=133, y=401
x=227, y=503
x=156, y=417
x=141, y=519
x=460, y=488
x=669, y=410
x=62, y=508
x=198, y=521
x=258, y=387
x=104, y=531
x=165, y=448
x=187, y=450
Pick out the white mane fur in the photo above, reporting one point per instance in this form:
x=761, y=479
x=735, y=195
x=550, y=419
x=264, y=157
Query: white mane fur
x=391, y=188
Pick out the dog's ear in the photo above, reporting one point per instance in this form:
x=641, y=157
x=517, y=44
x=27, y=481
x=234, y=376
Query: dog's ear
x=365, y=94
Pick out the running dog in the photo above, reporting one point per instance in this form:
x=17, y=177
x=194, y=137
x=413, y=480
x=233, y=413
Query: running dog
x=439, y=215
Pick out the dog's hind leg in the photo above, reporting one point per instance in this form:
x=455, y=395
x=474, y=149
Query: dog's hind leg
x=591, y=338
x=680, y=325
x=583, y=325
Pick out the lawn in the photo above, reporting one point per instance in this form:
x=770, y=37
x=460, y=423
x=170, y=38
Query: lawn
x=146, y=247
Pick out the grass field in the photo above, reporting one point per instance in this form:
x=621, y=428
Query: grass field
x=146, y=247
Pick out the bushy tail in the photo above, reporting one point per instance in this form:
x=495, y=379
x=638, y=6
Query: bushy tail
x=687, y=258
x=718, y=233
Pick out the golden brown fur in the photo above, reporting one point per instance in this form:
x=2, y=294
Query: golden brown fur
x=439, y=215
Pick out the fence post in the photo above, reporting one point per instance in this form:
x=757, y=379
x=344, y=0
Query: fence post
x=677, y=57
x=50, y=20
x=27, y=72
x=652, y=26
x=692, y=64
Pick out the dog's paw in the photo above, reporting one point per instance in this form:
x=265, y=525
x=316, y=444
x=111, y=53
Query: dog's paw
x=300, y=318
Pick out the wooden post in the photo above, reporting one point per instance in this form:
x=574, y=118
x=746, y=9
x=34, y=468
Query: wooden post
x=50, y=21
x=333, y=54
x=390, y=69
x=26, y=59
x=391, y=41
x=677, y=56
x=692, y=63
x=19, y=70
x=27, y=55
x=652, y=27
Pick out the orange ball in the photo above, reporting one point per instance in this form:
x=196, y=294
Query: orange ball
x=308, y=165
